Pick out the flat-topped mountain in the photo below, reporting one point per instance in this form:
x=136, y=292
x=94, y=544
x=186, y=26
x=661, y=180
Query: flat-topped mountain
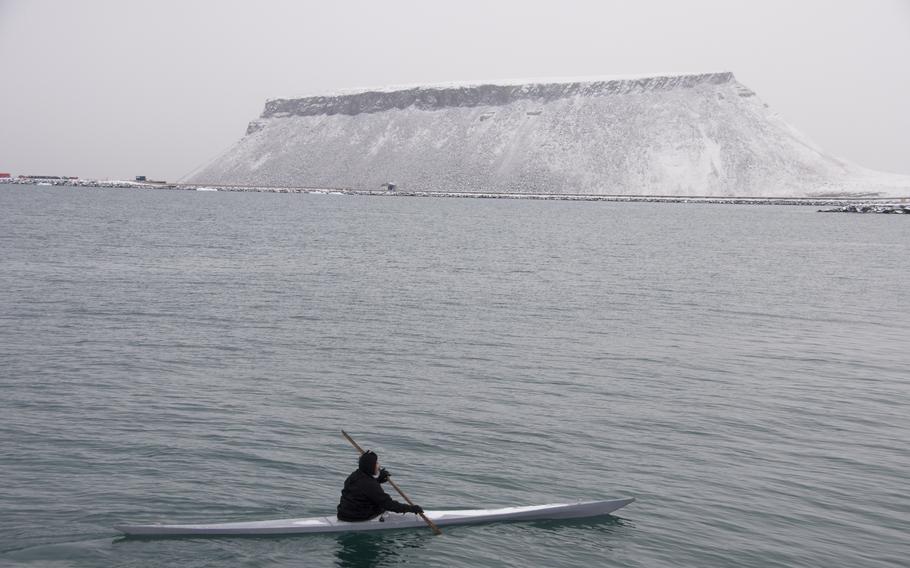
x=697, y=134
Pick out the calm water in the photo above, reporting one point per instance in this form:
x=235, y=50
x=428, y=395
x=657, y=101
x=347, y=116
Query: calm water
x=183, y=357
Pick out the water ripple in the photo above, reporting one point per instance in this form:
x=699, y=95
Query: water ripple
x=740, y=370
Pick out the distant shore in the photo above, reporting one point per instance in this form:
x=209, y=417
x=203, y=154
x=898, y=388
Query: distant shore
x=839, y=201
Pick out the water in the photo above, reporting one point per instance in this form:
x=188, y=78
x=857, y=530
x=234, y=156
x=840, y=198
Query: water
x=184, y=357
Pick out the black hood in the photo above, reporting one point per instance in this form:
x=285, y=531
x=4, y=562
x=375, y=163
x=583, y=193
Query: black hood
x=367, y=463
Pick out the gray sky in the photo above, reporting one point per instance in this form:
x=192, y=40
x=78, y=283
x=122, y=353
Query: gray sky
x=116, y=88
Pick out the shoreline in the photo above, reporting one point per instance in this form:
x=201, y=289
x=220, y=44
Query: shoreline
x=842, y=201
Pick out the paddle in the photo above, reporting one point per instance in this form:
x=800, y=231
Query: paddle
x=398, y=489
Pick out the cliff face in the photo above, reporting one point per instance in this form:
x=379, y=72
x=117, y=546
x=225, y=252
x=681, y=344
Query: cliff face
x=439, y=98
x=704, y=135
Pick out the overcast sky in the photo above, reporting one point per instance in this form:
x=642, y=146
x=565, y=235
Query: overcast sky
x=116, y=88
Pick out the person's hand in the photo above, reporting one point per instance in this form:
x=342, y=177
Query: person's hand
x=383, y=475
x=417, y=509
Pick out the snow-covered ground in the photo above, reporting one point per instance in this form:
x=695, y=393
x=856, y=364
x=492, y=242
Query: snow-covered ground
x=695, y=134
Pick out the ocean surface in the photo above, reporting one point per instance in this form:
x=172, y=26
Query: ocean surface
x=174, y=356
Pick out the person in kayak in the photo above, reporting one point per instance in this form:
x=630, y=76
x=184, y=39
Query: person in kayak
x=362, y=498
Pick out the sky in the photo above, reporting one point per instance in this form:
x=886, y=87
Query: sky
x=111, y=89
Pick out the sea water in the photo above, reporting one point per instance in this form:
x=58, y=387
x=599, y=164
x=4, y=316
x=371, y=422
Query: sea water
x=170, y=356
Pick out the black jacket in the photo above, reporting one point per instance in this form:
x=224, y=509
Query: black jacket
x=362, y=499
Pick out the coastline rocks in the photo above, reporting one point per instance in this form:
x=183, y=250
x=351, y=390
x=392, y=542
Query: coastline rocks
x=869, y=208
x=839, y=205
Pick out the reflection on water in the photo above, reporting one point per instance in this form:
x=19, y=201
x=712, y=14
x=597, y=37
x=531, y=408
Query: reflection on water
x=605, y=523
x=372, y=550
x=369, y=550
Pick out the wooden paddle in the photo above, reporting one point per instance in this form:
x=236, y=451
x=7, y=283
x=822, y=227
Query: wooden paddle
x=398, y=489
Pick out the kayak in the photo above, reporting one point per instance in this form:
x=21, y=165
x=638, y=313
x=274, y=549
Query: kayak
x=386, y=521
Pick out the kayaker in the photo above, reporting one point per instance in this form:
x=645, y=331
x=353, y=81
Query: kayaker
x=362, y=498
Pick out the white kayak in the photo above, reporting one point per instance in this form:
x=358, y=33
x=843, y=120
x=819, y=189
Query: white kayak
x=387, y=521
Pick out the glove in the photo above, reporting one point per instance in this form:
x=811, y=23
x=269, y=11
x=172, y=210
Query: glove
x=416, y=509
x=383, y=475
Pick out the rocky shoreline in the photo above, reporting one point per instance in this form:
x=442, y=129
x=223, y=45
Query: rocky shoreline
x=870, y=208
x=839, y=204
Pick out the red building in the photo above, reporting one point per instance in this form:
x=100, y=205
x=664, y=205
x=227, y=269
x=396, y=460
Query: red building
x=3, y=175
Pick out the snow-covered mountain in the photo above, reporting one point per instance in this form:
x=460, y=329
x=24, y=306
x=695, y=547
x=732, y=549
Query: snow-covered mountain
x=697, y=134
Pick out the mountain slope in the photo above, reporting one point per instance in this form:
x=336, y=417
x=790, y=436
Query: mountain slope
x=705, y=135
